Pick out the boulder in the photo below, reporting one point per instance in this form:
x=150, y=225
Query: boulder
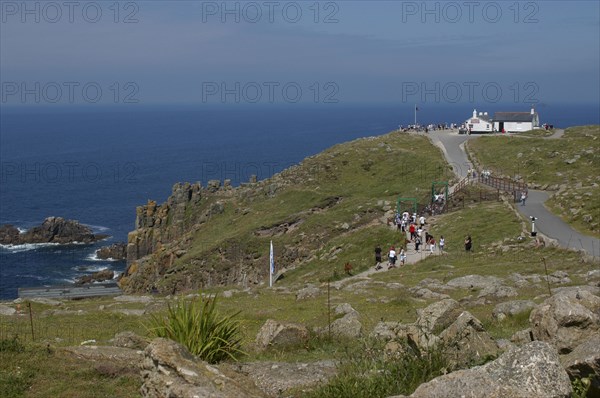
x=169, y=370
x=512, y=308
x=438, y=316
x=466, y=341
x=116, y=251
x=100, y=276
x=309, y=291
x=278, y=334
x=343, y=309
x=529, y=371
x=522, y=337
x=347, y=326
x=566, y=319
x=584, y=362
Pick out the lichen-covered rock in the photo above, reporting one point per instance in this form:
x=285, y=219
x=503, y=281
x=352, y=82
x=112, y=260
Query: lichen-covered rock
x=512, y=308
x=279, y=334
x=347, y=326
x=439, y=315
x=529, y=371
x=466, y=341
x=584, y=362
x=566, y=319
x=169, y=370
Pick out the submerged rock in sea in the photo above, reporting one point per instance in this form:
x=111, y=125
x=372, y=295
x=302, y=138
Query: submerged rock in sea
x=52, y=230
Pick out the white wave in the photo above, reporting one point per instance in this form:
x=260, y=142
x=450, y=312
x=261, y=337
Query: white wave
x=89, y=268
x=22, y=230
x=94, y=257
x=27, y=247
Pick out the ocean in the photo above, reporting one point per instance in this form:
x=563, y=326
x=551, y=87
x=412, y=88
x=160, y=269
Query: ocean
x=96, y=164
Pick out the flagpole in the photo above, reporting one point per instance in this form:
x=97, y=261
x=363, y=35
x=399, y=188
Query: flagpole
x=415, y=115
x=271, y=260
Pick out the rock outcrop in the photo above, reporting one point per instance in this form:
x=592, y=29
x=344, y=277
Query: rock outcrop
x=53, y=230
x=442, y=324
x=530, y=371
x=584, y=362
x=279, y=334
x=116, y=251
x=566, y=319
x=100, y=276
x=169, y=370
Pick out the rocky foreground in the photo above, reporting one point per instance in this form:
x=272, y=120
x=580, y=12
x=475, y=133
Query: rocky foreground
x=561, y=344
x=52, y=230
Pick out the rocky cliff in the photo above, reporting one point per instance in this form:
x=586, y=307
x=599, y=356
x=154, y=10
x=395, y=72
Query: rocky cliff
x=219, y=235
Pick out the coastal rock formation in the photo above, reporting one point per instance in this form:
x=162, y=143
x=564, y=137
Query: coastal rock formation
x=169, y=370
x=156, y=224
x=530, y=371
x=100, y=276
x=116, y=251
x=52, y=230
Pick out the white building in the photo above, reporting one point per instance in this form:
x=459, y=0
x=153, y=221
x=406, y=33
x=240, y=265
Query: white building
x=479, y=123
x=515, y=122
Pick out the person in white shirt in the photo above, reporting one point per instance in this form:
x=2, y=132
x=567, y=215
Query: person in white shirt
x=392, y=257
x=422, y=221
x=442, y=243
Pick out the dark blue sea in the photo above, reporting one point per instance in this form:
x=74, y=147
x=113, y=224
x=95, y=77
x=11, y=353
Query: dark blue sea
x=96, y=164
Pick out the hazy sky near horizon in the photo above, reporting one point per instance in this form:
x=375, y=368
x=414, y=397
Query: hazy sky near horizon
x=189, y=52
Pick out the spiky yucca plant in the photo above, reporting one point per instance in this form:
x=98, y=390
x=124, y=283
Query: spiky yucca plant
x=197, y=325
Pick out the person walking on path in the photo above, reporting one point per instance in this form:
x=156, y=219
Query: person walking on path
x=523, y=198
x=377, y=255
x=392, y=258
x=442, y=243
x=402, y=257
x=431, y=245
x=468, y=243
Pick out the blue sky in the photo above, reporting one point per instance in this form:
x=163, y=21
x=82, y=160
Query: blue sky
x=387, y=52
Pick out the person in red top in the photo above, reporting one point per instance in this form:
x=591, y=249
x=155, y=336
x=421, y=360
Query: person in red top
x=412, y=231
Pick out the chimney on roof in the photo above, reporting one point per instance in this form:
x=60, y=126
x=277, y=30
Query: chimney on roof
x=532, y=110
x=485, y=113
x=474, y=112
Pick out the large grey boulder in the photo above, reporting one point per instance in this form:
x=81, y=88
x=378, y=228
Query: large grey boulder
x=438, y=316
x=512, y=308
x=466, y=342
x=529, y=371
x=584, y=362
x=347, y=326
x=280, y=334
x=566, y=319
x=169, y=370
x=309, y=291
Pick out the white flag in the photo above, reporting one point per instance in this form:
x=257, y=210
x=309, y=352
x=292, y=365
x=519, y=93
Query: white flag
x=271, y=266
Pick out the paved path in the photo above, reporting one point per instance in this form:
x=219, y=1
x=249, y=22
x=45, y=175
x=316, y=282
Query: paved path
x=452, y=145
x=554, y=227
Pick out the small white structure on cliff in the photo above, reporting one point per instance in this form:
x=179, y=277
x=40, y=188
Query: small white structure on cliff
x=479, y=123
x=515, y=122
